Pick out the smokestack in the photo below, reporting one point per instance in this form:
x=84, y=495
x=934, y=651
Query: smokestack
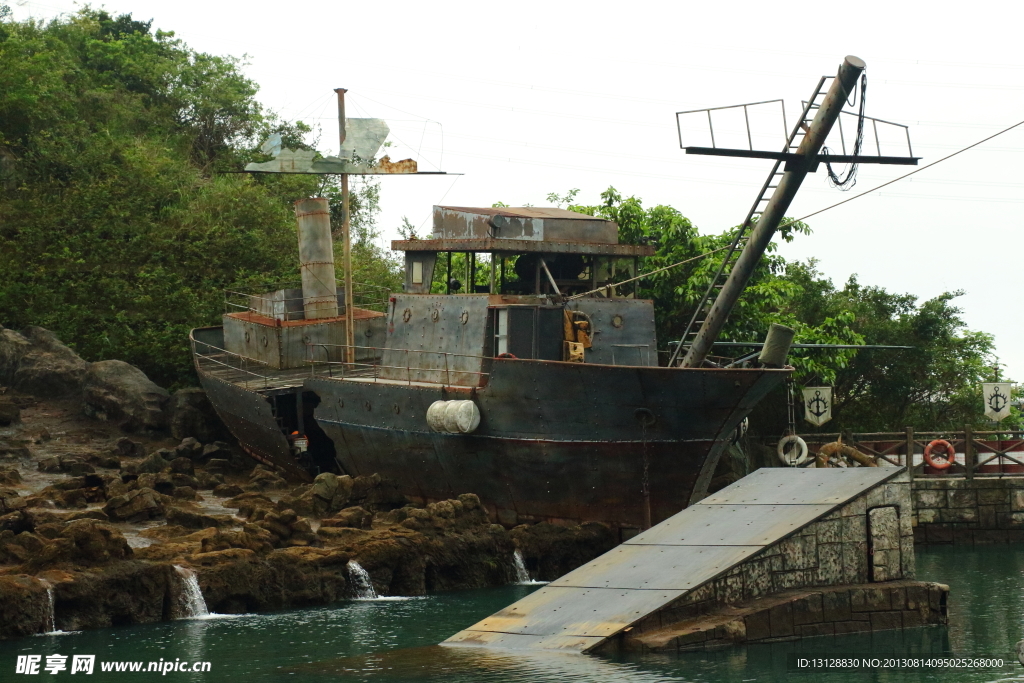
x=316, y=259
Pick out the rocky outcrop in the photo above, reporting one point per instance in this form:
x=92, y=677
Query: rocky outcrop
x=330, y=493
x=121, y=393
x=42, y=365
x=550, y=551
x=10, y=411
x=192, y=415
x=26, y=606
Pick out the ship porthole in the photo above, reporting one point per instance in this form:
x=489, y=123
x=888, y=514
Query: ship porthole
x=464, y=317
x=397, y=409
x=407, y=315
x=435, y=314
x=246, y=337
x=341, y=403
x=265, y=342
x=369, y=406
x=644, y=416
x=617, y=321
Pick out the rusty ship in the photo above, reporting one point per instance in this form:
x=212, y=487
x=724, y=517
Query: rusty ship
x=539, y=389
x=518, y=363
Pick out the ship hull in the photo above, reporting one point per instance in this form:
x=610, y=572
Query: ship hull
x=562, y=442
x=557, y=441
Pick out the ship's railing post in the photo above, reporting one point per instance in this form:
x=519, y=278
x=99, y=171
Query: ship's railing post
x=910, y=452
x=969, y=451
x=447, y=375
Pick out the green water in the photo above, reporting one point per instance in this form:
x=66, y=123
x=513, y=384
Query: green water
x=394, y=640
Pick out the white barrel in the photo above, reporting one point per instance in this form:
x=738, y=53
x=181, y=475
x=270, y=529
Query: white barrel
x=453, y=417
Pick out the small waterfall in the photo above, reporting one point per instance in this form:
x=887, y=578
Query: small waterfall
x=522, y=576
x=361, y=584
x=51, y=617
x=190, y=600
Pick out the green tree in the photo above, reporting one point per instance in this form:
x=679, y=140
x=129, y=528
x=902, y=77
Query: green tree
x=119, y=226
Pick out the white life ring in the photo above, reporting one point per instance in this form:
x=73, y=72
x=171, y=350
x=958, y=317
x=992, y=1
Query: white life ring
x=787, y=458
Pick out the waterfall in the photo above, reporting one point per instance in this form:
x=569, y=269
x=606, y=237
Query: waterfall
x=360, y=580
x=522, y=576
x=51, y=617
x=190, y=601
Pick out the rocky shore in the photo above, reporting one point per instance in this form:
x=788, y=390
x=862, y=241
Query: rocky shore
x=112, y=491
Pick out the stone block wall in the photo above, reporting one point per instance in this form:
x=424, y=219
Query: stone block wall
x=829, y=552
x=961, y=510
x=803, y=613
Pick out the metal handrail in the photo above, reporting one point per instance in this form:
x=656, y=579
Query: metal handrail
x=372, y=370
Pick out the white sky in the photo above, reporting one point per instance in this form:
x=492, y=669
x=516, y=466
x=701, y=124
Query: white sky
x=528, y=98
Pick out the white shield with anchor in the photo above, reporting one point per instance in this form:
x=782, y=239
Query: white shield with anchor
x=997, y=400
x=818, y=405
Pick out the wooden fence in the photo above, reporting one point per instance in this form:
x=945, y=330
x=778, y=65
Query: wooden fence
x=978, y=453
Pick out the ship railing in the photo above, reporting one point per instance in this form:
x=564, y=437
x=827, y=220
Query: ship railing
x=404, y=365
x=244, y=371
x=983, y=454
x=272, y=301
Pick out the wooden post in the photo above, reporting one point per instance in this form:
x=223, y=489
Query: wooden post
x=969, y=455
x=910, y=452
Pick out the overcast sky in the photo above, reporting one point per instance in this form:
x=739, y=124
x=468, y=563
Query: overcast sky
x=528, y=98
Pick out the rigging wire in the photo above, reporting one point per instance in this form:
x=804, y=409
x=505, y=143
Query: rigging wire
x=850, y=180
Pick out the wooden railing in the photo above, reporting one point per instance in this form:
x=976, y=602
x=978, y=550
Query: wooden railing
x=978, y=453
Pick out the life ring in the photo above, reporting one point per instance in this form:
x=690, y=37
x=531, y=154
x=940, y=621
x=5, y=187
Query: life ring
x=508, y=356
x=950, y=454
x=787, y=458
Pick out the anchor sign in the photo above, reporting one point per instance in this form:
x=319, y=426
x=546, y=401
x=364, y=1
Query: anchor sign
x=997, y=400
x=818, y=405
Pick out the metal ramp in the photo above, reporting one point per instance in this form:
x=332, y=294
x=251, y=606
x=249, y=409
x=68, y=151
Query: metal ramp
x=585, y=607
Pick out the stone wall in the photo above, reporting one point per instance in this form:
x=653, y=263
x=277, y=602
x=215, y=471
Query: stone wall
x=829, y=552
x=961, y=510
x=803, y=613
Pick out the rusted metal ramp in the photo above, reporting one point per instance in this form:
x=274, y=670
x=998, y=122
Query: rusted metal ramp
x=597, y=601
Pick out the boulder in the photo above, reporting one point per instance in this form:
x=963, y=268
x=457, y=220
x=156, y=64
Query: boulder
x=134, y=506
x=47, y=368
x=188, y=448
x=24, y=602
x=195, y=520
x=13, y=348
x=10, y=412
x=227, y=490
x=127, y=448
x=153, y=464
x=192, y=415
x=265, y=479
x=182, y=465
x=9, y=476
x=353, y=518
x=119, y=392
x=217, y=449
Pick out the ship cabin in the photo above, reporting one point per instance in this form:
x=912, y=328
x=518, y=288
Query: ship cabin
x=518, y=283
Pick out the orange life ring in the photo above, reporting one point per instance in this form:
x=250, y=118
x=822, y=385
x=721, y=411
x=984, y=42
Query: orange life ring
x=508, y=356
x=950, y=454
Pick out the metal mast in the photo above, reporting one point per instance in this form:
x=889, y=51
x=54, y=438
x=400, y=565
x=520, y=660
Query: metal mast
x=350, y=351
x=774, y=212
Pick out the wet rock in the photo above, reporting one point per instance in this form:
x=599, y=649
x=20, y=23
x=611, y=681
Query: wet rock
x=80, y=542
x=134, y=506
x=51, y=464
x=217, y=449
x=218, y=466
x=207, y=481
x=153, y=464
x=13, y=348
x=24, y=603
x=188, y=448
x=185, y=480
x=104, y=460
x=126, y=592
x=182, y=465
x=127, y=448
x=353, y=517
x=227, y=490
x=121, y=393
x=14, y=451
x=551, y=551
x=9, y=476
x=265, y=479
x=47, y=368
x=196, y=520
x=192, y=415
x=15, y=521
x=10, y=413
x=256, y=540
